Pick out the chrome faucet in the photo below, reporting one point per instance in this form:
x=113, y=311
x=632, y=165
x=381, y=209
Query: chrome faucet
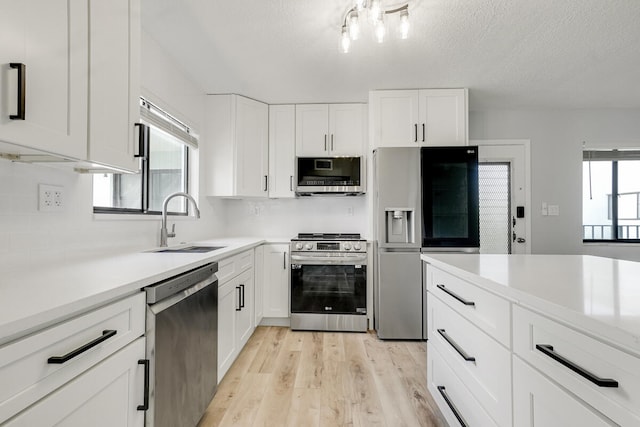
x=164, y=232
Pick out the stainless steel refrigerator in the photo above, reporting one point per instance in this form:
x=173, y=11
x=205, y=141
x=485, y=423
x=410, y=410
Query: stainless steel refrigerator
x=425, y=199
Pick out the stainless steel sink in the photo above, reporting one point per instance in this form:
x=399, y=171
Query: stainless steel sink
x=190, y=249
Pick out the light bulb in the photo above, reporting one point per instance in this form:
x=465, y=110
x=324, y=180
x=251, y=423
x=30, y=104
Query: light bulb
x=345, y=41
x=404, y=24
x=354, y=26
x=375, y=11
x=380, y=31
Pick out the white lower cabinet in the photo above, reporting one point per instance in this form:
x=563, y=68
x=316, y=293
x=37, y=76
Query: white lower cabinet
x=276, y=280
x=539, y=402
x=106, y=395
x=236, y=310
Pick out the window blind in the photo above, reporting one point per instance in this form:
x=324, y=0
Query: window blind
x=166, y=122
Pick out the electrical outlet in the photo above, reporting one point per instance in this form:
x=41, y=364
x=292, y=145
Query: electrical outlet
x=50, y=198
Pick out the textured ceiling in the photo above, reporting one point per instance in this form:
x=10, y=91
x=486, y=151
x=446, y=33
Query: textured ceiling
x=509, y=53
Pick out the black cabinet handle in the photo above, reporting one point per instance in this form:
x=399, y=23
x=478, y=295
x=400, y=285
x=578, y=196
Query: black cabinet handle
x=143, y=140
x=547, y=350
x=415, y=126
x=57, y=360
x=238, y=307
x=290, y=182
x=145, y=404
x=331, y=142
x=456, y=296
x=284, y=260
x=22, y=90
x=325, y=142
x=455, y=346
x=266, y=183
x=423, y=132
x=241, y=296
x=451, y=406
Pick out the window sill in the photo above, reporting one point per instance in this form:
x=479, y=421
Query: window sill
x=611, y=243
x=138, y=217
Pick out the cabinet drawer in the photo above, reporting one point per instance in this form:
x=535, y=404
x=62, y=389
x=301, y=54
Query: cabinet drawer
x=24, y=368
x=539, y=402
x=487, y=311
x=229, y=268
x=459, y=406
x=482, y=364
x=558, y=352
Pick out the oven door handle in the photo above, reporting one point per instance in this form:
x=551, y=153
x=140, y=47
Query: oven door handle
x=325, y=260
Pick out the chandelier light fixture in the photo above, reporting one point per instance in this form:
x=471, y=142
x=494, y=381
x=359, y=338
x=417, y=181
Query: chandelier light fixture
x=374, y=12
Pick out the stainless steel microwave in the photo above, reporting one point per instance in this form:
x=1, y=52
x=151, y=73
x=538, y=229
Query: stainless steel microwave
x=329, y=176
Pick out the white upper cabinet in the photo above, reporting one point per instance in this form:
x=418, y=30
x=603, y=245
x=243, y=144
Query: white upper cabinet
x=282, y=147
x=237, y=159
x=114, y=66
x=329, y=130
x=426, y=117
x=48, y=43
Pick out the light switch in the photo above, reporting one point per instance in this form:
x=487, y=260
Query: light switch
x=554, y=210
x=545, y=209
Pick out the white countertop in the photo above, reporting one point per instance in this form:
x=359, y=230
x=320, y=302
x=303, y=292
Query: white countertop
x=598, y=295
x=30, y=300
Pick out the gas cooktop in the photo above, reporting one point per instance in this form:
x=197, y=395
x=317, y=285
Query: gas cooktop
x=328, y=236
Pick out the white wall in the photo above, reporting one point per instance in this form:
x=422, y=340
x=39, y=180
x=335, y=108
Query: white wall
x=28, y=236
x=556, y=166
x=285, y=218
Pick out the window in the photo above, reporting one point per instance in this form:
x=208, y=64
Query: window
x=164, y=171
x=611, y=195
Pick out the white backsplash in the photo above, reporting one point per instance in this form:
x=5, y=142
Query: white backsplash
x=287, y=217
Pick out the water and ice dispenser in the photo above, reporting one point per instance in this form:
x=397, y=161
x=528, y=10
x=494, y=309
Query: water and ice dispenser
x=400, y=225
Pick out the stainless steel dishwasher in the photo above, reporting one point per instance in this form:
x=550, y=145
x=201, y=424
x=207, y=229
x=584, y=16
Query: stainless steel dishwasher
x=182, y=345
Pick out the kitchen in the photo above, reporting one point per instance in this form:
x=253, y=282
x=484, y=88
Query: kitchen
x=557, y=126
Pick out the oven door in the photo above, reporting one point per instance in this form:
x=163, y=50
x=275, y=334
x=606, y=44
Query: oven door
x=328, y=288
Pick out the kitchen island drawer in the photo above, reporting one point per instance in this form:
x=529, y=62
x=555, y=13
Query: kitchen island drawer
x=605, y=377
x=229, y=268
x=487, y=311
x=34, y=366
x=455, y=401
x=481, y=363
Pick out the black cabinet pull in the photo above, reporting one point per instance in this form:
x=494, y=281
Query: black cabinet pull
x=423, y=132
x=547, y=350
x=241, y=296
x=290, y=182
x=266, y=183
x=451, y=406
x=145, y=404
x=331, y=142
x=456, y=296
x=455, y=346
x=57, y=360
x=22, y=90
x=415, y=126
x=284, y=260
x=238, y=307
x=143, y=140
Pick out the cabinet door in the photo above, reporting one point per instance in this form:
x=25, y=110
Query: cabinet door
x=258, y=284
x=537, y=401
x=114, y=66
x=276, y=281
x=50, y=39
x=252, y=147
x=228, y=303
x=104, y=396
x=244, y=317
x=312, y=122
x=443, y=117
x=346, y=129
x=282, y=147
x=394, y=118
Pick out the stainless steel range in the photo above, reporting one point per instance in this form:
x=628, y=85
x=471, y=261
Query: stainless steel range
x=329, y=282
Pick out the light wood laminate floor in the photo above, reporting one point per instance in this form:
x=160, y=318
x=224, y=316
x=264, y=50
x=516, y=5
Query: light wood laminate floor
x=294, y=378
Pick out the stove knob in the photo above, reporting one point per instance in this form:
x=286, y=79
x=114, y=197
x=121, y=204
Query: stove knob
x=347, y=246
x=308, y=246
x=299, y=246
x=357, y=246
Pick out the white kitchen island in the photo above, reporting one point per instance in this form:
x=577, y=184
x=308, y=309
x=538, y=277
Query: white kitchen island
x=535, y=340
